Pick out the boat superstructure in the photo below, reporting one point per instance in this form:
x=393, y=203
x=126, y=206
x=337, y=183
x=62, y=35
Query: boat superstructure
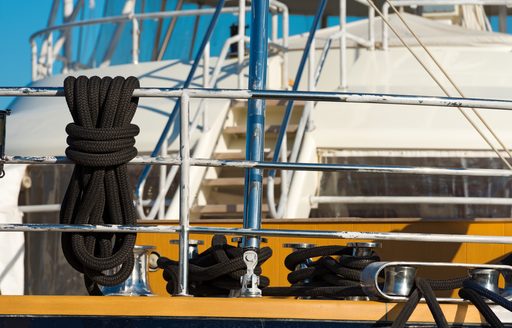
x=379, y=153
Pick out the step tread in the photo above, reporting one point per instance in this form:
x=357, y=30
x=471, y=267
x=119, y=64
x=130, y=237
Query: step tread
x=238, y=154
x=224, y=209
x=273, y=128
x=236, y=181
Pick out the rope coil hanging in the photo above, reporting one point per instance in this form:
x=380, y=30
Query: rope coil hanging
x=101, y=141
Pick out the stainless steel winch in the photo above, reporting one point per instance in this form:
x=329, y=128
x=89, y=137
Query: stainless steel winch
x=137, y=284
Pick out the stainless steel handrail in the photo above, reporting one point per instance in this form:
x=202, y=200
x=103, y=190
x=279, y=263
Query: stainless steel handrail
x=341, y=97
x=204, y=162
x=326, y=234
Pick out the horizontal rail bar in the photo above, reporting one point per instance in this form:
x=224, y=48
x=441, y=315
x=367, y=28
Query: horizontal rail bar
x=39, y=208
x=350, y=97
x=145, y=160
x=397, y=236
x=126, y=18
x=410, y=200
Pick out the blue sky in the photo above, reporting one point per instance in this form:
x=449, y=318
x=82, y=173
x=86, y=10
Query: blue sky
x=18, y=20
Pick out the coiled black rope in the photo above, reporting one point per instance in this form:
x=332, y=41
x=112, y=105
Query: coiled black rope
x=101, y=142
x=214, y=272
x=326, y=277
x=425, y=288
x=483, y=308
x=475, y=293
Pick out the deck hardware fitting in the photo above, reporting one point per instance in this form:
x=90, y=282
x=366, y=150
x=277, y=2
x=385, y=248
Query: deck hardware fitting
x=250, y=280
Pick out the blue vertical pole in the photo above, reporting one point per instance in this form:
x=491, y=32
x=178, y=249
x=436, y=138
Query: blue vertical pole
x=254, y=149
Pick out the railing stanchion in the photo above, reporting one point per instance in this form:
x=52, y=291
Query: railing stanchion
x=371, y=27
x=162, y=182
x=49, y=54
x=256, y=119
x=184, y=194
x=33, y=46
x=343, y=44
x=135, y=41
x=241, y=42
x=206, y=83
x=385, y=28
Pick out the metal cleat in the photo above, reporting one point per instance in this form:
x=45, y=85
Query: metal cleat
x=250, y=280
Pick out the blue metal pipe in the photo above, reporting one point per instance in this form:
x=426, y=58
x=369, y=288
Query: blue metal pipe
x=286, y=119
x=172, y=116
x=255, y=137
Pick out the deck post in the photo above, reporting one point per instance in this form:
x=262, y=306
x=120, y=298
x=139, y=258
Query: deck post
x=184, y=194
x=256, y=120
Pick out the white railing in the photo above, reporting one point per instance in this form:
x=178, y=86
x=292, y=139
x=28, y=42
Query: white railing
x=42, y=64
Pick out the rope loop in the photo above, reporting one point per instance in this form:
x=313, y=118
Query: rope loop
x=214, y=272
x=101, y=141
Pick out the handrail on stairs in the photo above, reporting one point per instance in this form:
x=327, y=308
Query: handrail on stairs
x=280, y=148
x=139, y=190
x=210, y=82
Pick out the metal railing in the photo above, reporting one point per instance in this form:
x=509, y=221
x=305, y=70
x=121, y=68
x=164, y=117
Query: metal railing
x=43, y=63
x=44, y=66
x=185, y=162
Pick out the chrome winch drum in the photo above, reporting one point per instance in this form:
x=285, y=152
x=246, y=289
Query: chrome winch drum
x=137, y=284
x=399, y=280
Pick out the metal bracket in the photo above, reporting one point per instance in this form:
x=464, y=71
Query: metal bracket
x=3, y=120
x=250, y=280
